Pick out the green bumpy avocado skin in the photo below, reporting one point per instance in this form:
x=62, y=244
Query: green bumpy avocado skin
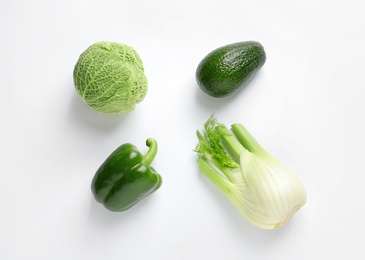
x=110, y=78
x=228, y=69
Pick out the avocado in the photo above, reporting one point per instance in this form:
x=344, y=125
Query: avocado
x=227, y=69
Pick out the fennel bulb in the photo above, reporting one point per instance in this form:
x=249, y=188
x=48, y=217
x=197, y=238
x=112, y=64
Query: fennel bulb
x=262, y=189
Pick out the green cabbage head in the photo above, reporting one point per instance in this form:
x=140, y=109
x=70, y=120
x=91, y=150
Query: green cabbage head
x=110, y=78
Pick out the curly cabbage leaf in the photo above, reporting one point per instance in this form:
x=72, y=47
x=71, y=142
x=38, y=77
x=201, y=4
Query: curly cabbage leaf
x=110, y=78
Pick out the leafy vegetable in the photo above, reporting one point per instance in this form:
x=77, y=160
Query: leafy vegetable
x=262, y=189
x=110, y=77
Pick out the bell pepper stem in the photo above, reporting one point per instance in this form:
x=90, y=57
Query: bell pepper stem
x=151, y=153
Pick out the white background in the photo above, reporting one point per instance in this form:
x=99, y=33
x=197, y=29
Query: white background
x=305, y=106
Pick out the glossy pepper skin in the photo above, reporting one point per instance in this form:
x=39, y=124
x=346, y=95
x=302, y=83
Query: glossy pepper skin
x=126, y=177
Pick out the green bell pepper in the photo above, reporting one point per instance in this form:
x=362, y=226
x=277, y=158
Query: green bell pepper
x=126, y=177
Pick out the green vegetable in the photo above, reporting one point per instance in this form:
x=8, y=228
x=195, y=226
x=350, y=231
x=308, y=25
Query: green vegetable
x=110, y=77
x=262, y=189
x=229, y=68
x=126, y=177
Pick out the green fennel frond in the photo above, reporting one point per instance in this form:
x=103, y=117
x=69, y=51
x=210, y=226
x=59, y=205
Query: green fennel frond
x=211, y=146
